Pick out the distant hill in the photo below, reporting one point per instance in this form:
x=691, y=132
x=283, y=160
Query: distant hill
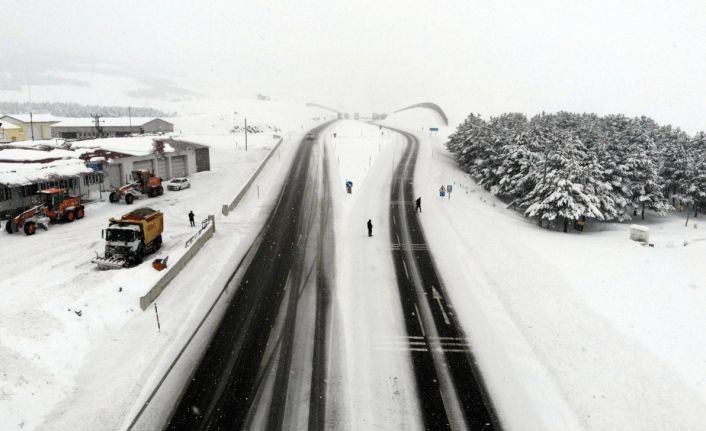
x=60, y=109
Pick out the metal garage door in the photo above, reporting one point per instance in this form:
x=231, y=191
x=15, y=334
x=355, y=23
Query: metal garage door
x=143, y=164
x=162, y=168
x=115, y=176
x=203, y=162
x=178, y=166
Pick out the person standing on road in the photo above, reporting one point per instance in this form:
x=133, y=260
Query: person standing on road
x=442, y=191
x=191, y=219
x=419, y=204
x=370, y=227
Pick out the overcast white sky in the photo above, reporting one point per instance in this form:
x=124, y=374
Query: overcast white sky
x=485, y=56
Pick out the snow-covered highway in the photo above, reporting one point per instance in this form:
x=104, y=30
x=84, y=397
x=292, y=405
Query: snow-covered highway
x=267, y=359
x=450, y=387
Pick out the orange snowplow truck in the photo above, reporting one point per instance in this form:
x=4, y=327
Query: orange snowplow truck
x=55, y=207
x=144, y=183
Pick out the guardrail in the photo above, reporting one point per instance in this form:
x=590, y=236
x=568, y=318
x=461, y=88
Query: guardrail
x=208, y=227
x=238, y=197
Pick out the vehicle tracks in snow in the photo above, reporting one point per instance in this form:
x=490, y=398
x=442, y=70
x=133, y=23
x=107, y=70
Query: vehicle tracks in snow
x=268, y=355
x=452, y=395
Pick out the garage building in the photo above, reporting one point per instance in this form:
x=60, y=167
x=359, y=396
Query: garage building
x=87, y=128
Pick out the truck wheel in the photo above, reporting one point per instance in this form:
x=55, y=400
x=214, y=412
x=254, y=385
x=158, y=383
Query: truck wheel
x=129, y=199
x=79, y=213
x=160, y=191
x=30, y=228
x=158, y=242
x=69, y=216
x=113, y=198
x=8, y=226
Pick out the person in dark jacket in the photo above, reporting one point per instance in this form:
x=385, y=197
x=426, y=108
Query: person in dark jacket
x=370, y=228
x=191, y=218
x=419, y=204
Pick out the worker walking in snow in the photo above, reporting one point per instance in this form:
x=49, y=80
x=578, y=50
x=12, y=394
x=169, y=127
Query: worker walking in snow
x=191, y=219
x=442, y=191
x=419, y=204
x=370, y=227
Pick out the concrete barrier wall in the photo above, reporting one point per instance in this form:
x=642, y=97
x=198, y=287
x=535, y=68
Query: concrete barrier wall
x=231, y=206
x=174, y=268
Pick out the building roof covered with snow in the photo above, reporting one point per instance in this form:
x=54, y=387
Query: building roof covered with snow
x=35, y=118
x=82, y=128
x=21, y=155
x=134, y=146
x=106, y=122
x=14, y=174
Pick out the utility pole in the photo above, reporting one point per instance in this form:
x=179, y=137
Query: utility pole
x=96, y=121
x=129, y=116
x=31, y=125
x=246, y=134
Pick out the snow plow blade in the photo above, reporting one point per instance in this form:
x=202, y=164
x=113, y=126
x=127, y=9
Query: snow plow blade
x=110, y=263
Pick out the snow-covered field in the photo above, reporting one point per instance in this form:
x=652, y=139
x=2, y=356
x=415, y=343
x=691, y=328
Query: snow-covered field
x=572, y=331
x=76, y=351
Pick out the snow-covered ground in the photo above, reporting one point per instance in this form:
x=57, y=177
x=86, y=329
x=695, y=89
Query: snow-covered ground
x=572, y=331
x=76, y=351
x=373, y=382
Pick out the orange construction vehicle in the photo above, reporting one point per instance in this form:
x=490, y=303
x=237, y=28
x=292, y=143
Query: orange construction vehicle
x=145, y=183
x=56, y=206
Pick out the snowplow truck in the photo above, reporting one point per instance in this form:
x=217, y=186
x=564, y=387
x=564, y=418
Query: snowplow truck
x=55, y=206
x=144, y=183
x=130, y=238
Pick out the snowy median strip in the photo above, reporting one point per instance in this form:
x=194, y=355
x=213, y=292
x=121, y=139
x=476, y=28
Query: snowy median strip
x=195, y=242
x=230, y=207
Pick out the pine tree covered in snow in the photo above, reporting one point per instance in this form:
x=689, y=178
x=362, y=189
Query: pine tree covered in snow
x=694, y=183
x=563, y=190
x=574, y=166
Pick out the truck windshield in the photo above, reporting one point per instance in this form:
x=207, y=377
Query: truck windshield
x=119, y=235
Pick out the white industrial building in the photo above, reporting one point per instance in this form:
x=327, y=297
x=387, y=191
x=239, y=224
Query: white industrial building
x=86, y=128
x=167, y=158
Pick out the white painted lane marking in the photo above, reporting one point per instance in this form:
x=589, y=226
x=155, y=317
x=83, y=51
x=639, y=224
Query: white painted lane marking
x=419, y=318
x=437, y=296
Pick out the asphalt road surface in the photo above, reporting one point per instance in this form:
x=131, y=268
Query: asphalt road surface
x=268, y=356
x=449, y=384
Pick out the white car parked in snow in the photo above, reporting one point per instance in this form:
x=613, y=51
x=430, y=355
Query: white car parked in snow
x=178, y=184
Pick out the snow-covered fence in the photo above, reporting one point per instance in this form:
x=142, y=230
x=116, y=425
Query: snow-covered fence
x=231, y=206
x=193, y=245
